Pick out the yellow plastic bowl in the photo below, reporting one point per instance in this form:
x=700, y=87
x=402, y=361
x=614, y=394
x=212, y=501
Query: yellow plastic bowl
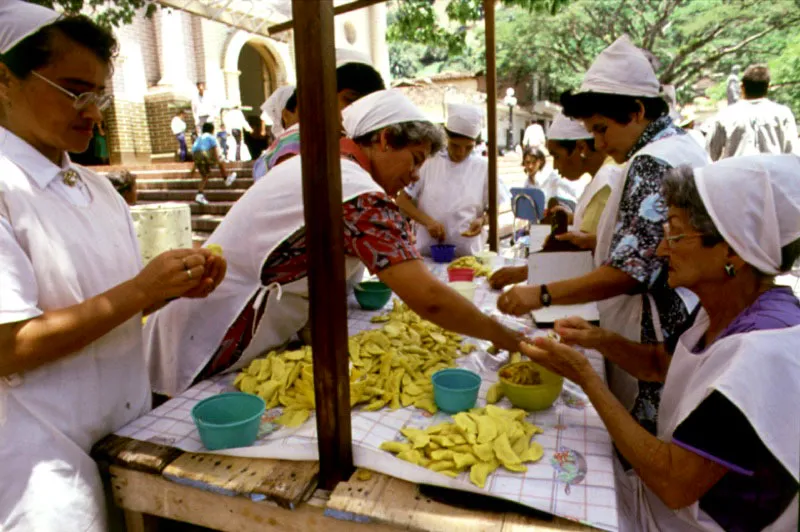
x=533, y=396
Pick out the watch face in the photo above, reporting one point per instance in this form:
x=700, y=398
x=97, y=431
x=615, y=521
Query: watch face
x=545, y=298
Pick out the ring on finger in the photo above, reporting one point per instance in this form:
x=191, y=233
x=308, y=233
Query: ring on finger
x=189, y=273
x=186, y=266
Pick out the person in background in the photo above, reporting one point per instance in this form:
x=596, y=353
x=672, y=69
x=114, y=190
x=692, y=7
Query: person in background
x=733, y=88
x=206, y=153
x=235, y=121
x=450, y=201
x=72, y=287
x=620, y=102
x=355, y=78
x=100, y=143
x=124, y=182
x=574, y=155
x=280, y=110
x=222, y=141
x=555, y=187
x=178, y=126
x=204, y=107
x=264, y=299
x=726, y=454
x=533, y=138
x=755, y=124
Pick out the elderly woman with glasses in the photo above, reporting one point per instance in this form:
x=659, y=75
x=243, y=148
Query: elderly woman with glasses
x=72, y=287
x=726, y=454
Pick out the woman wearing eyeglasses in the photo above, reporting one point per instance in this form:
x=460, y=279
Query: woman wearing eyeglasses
x=726, y=453
x=72, y=289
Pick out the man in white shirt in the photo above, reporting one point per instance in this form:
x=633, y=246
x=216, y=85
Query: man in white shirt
x=204, y=108
x=178, y=127
x=754, y=124
x=534, y=136
x=235, y=122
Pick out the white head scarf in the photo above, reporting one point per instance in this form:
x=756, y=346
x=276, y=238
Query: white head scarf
x=275, y=105
x=755, y=204
x=348, y=55
x=464, y=119
x=623, y=69
x=564, y=128
x=19, y=20
x=378, y=110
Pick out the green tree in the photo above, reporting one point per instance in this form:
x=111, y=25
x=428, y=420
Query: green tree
x=108, y=14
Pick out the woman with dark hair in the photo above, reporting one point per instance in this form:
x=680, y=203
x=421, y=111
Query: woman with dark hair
x=72, y=288
x=619, y=102
x=124, y=182
x=726, y=453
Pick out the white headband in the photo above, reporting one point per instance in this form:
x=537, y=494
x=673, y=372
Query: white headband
x=755, y=204
x=275, y=105
x=19, y=20
x=623, y=69
x=377, y=110
x=564, y=128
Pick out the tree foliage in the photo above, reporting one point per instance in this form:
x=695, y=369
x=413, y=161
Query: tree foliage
x=105, y=13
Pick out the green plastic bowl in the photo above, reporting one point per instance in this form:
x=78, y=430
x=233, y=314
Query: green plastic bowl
x=455, y=389
x=533, y=396
x=372, y=295
x=228, y=420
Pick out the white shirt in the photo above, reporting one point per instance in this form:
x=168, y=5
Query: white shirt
x=750, y=127
x=234, y=119
x=178, y=126
x=204, y=105
x=534, y=136
x=555, y=186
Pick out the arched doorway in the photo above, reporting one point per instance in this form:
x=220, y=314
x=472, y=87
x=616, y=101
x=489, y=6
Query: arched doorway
x=257, y=80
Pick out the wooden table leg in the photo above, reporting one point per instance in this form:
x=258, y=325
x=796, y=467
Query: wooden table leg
x=139, y=522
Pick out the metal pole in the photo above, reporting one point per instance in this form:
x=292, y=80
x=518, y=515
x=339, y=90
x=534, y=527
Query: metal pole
x=322, y=200
x=491, y=119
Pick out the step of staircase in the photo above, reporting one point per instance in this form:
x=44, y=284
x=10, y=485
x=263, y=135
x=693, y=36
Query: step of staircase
x=184, y=183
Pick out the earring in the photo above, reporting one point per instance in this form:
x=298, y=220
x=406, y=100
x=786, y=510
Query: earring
x=730, y=269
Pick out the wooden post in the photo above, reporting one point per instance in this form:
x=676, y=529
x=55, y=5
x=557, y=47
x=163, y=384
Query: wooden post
x=322, y=198
x=491, y=119
x=338, y=10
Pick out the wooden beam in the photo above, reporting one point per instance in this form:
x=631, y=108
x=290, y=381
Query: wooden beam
x=491, y=119
x=320, y=126
x=345, y=8
x=239, y=20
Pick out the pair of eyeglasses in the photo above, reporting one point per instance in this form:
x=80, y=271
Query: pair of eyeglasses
x=671, y=240
x=81, y=101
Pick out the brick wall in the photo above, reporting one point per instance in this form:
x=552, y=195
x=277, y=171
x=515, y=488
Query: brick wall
x=160, y=111
x=129, y=136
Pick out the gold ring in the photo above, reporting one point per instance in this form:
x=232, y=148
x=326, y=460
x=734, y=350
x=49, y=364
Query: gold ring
x=185, y=265
x=189, y=273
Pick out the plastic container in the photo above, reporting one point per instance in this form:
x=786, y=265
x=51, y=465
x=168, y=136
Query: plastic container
x=461, y=274
x=465, y=288
x=372, y=295
x=455, y=389
x=443, y=253
x=533, y=397
x=228, y=420
x=486, y=257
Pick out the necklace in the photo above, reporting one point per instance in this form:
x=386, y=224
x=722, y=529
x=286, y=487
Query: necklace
x=70, y=178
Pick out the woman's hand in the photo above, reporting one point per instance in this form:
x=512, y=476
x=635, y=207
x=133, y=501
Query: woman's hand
x=214, y=273
x=580, y=239
x=519, y=300
x=509, y=275
x=475, y=228
x=558, y=358
x=553, y=210
x=436, y=230
x=577, y=331
x=173, y=274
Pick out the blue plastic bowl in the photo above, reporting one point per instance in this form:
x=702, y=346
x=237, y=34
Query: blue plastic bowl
x=455, y=389
x=443, y=252
x=228, y=420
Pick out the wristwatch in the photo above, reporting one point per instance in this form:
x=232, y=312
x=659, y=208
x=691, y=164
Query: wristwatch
x=544, y=296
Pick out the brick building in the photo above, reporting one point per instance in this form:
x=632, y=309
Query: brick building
x=162, y=58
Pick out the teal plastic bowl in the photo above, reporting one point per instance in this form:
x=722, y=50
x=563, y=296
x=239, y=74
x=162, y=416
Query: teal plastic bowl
x=228, y=420
x=455, y=389
x=372, y=295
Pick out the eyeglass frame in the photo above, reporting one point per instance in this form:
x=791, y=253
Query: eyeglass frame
x=83, y=100
x=671, y=240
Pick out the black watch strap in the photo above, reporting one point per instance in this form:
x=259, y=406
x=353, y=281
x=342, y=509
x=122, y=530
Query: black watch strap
x=544, y=296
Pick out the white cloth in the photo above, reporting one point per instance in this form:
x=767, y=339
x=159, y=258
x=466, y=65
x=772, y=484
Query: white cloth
x=181, y=338
x=624, y=69
x=177, y=125
x=348, y=55
x=234, y=119
x=465, y=120
x=766, y=192
x=275, y=105
x=759, y=372
x=623, y=314
x=51, y=416
x=750, y=127
x=377, y=110
x=564, y=128
x=609, y=175
x=19, y=20
x=533, y=137
x=453, y=194
x=204, y=106
x=554, y=186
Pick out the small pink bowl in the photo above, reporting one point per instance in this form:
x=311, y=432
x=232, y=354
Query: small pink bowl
x=461, y=274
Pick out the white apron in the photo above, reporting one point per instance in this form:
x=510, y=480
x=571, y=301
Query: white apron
x=453, y=194
x=51, y=416
x=623, y=314
x=759, y=372
x=610, y=174
x=181, y=338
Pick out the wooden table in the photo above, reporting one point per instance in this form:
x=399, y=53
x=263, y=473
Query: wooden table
x=245, y=494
